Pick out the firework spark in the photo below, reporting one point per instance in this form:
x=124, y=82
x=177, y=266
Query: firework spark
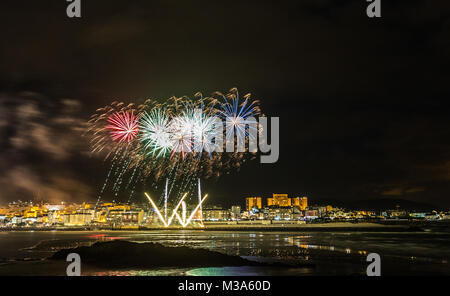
x=123, y=126
x=155, y=133
x=174, y=140
x=236, y=114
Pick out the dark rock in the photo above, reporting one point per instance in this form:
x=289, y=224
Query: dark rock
x=124, y=254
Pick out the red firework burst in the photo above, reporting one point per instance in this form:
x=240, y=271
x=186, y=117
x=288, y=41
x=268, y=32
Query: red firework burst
x=124, y=126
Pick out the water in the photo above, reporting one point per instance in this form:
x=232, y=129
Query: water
x=330, y=253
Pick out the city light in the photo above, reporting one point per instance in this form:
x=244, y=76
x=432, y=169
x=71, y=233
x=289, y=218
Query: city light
x=182, y=219
x=275, y=211
x=156, y=209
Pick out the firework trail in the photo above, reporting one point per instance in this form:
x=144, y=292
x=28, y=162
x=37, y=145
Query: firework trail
x=171, y=140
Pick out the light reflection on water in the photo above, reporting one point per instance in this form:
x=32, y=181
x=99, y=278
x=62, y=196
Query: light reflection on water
x=287, y=244
x=247, y=271
x=291, y=247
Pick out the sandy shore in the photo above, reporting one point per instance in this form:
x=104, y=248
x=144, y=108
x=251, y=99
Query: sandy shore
x=249, y=226
x=338, y=226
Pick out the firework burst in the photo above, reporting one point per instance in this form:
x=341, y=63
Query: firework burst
x=123, y=126
x=236, y=114
x=155, y=133
x=173, y=140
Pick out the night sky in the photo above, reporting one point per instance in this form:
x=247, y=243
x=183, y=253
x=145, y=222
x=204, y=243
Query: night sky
x=363, y=103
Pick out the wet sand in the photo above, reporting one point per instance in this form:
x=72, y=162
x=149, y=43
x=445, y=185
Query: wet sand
x=331, y=253
x=248, y=226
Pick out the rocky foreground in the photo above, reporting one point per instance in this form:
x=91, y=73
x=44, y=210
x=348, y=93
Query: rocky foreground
x=124, y=254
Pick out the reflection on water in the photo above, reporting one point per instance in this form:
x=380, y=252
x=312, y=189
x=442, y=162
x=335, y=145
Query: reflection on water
x=105, y=237
x=133, y=272
x=334, y=250
x=248, y=271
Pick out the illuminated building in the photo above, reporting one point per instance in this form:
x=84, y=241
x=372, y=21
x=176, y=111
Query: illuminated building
x=312, y=214
x=54, y=207
x=301, y=202
x=215, y=214
x=281, y=200
x=235, y=212
x=32, y=212
x=79, y=218
x=281, y=213
x=16, y=220
x=125, y=216
x=253, y=202
x=53, y=217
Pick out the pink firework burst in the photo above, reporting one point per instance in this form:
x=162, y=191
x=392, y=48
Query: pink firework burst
x=123, y=126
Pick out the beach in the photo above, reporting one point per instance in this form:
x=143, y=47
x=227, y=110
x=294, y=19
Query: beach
x=328, y=252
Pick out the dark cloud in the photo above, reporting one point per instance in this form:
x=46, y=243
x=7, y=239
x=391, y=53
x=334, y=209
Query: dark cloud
x=41, y=138
x=362, y=102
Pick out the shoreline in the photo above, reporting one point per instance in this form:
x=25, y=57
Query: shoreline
x=337, y=226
